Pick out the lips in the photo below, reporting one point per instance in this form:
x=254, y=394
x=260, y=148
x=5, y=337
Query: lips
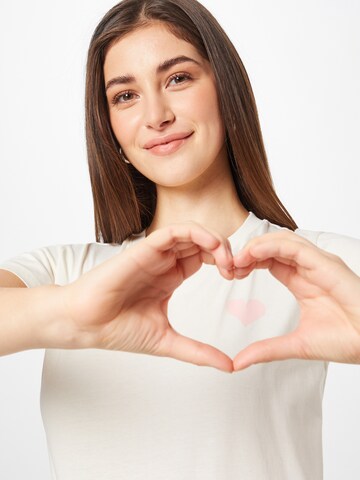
x=166, y=139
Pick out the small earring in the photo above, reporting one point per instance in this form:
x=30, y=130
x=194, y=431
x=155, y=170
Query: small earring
x=123, y=156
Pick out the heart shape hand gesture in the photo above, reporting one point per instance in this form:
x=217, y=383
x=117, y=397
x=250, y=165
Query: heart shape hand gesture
x=122, y=303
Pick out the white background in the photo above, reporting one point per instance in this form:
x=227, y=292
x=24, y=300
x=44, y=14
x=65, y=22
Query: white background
x=303, y=59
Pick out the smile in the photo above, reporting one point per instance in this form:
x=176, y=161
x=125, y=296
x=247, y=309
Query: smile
x=168, y=148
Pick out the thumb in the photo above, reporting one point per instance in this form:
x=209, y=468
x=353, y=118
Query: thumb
x=269, y=350
x=188, y=350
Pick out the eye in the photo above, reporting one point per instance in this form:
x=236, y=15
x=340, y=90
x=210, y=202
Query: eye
x=123, y=97
x=180, y=78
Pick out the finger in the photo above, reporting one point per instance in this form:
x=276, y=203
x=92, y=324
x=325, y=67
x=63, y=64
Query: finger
x=242, y=272
x=313, y=264
x=191, y=264
x=188, y=251
x=246, y=257
x=224, y=264
x=170, y=236
x=284, y=250
x=188, y=350
x=284, y=273
x=282, y=234
x=206, y=257
x=269, y=350
x=221, y=258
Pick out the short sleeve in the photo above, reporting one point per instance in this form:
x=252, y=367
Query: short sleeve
x=58, y=264
x=34, y=268
x=347, y=248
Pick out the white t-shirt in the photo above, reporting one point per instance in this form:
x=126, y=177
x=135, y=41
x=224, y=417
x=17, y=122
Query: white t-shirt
x=118, y=415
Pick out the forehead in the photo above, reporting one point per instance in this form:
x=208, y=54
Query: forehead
x=146, y=48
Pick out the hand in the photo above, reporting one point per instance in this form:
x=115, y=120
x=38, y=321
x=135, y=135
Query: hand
x=327, y=291
x=122, y=303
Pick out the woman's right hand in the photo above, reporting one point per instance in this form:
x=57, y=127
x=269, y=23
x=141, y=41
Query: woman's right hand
x=122, y=303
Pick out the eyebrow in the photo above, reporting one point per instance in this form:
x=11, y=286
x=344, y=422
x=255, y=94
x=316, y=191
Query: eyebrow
x=163, y=67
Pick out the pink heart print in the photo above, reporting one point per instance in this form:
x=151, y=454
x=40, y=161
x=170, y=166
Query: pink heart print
x=246, y=311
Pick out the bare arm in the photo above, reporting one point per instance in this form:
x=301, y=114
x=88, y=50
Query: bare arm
x=122, y=303
x=31, y=317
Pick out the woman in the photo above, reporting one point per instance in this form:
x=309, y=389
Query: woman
x=180, y=178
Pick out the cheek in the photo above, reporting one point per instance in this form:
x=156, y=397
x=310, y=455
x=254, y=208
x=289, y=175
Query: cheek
x=124, y=126
x=205, y=107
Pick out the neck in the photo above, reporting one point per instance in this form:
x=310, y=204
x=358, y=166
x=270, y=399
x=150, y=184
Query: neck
x=211, y=201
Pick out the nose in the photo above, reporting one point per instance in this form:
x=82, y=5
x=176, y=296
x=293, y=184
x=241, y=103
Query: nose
x=158, y=112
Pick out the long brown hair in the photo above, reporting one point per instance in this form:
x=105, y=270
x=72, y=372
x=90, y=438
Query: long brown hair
x=124, y=199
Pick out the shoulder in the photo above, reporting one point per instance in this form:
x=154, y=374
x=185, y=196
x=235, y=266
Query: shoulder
x=73, y=260
x=59, y=264
x=329, y=241
x=344, y=246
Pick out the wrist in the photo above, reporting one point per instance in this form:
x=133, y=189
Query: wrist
x=57, y=329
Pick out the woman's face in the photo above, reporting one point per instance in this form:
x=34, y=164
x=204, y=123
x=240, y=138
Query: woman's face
x=154, y=91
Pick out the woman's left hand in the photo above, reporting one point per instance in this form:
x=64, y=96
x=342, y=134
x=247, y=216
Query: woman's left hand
x=328, y=294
